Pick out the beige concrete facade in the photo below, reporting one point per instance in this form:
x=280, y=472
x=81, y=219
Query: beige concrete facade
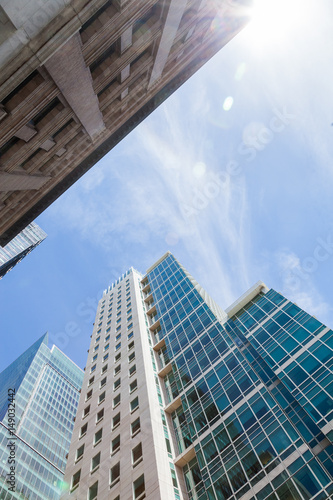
x=76, y=76
x=126, y=298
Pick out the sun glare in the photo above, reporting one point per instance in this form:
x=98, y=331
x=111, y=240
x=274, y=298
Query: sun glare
x=272, y=21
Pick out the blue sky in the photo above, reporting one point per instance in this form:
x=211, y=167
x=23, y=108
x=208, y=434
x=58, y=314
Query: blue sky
x=233, y=174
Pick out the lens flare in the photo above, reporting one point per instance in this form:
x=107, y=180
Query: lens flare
x=228, y=102
x=273, y=21
x=199, y=170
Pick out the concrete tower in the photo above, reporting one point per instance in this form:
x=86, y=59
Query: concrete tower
x=182, y=400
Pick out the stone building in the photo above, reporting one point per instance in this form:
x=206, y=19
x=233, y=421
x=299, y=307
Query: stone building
x=76, y=76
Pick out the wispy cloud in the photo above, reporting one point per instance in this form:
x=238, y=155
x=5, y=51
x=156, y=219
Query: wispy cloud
x=299, y=286
x=139, y=200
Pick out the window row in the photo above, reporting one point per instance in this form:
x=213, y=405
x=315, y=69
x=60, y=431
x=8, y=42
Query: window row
x=134, y=404
x=135, y=429
x=138, y=484
x=136, y=453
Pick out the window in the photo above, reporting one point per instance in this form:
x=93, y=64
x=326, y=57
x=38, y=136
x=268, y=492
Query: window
x=109, y=322
x=118, y=346
x=137, y=454
x=89, y=394
x=132, y=370
x=106, y=347
x=101, y=398
x=131, y=345
x=76, y=479
x=115, y=474
x=116, y=421
x=91, y=380
x=116, y=401
x=118, y=313
x=108, y=329
x=96, y=347
x=105, y=357
x=129, y=317
x=95, y=461
x=117, y=369
x=98, y=436
x=79, y=453
x=133, y=386
x=93, y=490
x=107, y=338
x=130, y=326
x=104, y=368
x=129, y=310
x=117, y=357
x=100, y=415
x=131, y=357
x=134, y=404
x=99, y=331
x=139, y=488
x=130, y=335
x=103, y=382
x=118, y=328
x=116, y=384
x=94, y=358
x=83, y=430
x=92, y=369
x=115, y=445
x=118, y=337
x=86, y=411
x=167, y=442
x=174, y=478
x=97, y=339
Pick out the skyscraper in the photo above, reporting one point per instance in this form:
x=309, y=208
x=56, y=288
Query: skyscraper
x=39, y=393
x=183, y=400
x=19, y=247
x=77, y=76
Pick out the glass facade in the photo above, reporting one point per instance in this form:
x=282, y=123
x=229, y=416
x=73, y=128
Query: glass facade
x=249, y=394
x=43, y=385
x=19, y=247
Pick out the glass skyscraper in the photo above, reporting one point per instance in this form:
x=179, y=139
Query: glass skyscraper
x=19, y=247
x=39, y=394
x=184, y=400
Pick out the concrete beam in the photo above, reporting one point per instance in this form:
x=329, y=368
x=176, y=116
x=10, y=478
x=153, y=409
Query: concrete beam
x=26, y=132
x=47, y=145
x=172, y=22
x=73, y=78
x=125, y=73
x=126, y=39
x=3, y=112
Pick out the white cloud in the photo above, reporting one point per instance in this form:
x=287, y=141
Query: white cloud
x=299, y=286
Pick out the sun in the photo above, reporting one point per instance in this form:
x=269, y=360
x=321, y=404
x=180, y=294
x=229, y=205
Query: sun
x=273, y=21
